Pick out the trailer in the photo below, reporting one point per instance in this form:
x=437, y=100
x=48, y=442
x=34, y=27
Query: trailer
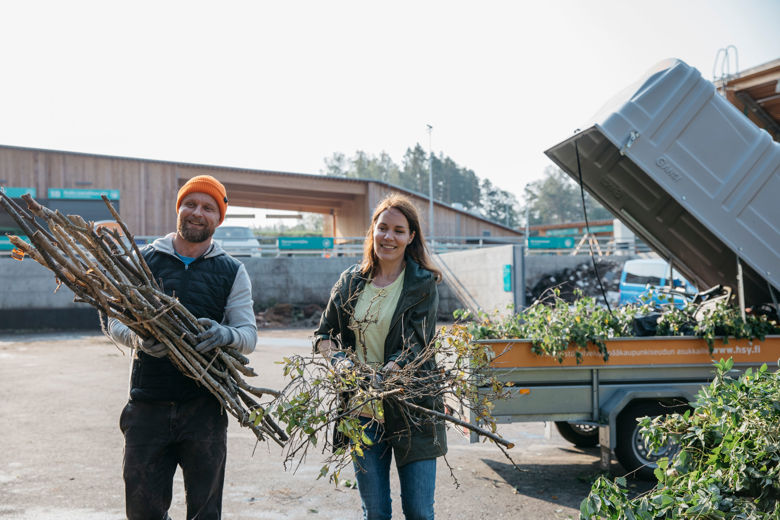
x=697, y=181
x=597, y=402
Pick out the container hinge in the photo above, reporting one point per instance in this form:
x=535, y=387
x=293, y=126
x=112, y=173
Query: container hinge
x=633, y=136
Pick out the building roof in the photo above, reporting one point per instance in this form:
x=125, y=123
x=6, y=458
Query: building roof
x=756, y=93
x=301, y=176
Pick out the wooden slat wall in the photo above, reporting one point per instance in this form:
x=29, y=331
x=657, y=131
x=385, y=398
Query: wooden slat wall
x=148, y=189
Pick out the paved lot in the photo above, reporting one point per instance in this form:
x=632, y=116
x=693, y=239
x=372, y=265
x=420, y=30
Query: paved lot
x=61, y=448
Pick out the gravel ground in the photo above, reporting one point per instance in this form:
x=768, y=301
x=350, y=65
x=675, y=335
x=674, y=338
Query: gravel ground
x=61, y=448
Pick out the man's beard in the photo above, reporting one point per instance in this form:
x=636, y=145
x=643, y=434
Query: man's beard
x=193, y=235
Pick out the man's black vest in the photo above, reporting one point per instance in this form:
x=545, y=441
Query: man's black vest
x=203, y=288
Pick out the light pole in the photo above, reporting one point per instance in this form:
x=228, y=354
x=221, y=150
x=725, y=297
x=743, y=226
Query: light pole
x=430, y=185
x=524, y=251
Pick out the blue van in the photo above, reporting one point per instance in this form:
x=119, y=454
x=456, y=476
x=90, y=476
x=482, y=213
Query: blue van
x=643, y=275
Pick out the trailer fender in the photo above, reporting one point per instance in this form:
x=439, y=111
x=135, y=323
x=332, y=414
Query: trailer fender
x=610, y=410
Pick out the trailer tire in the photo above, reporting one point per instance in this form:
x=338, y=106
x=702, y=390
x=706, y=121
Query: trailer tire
x=581, y=435
x=631, y=451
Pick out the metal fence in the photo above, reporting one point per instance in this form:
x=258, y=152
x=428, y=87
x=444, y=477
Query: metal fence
x=353, y=246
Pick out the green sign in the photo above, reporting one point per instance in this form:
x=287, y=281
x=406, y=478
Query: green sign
x=551, y=242
x=508, y=278
x=6, y=245
x=305, y=243
x=75, y=194
x=16, y=193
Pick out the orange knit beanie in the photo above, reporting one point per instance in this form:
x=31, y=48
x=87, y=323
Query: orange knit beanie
x=208, y=185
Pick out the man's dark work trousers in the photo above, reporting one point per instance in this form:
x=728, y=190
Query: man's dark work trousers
x=161, y=435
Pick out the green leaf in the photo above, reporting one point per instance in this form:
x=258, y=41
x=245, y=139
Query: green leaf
x=323, y=471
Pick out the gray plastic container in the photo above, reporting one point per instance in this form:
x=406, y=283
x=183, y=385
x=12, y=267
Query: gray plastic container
x=690, y=174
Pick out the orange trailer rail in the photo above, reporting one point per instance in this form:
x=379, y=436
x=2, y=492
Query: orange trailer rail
x=656, y=350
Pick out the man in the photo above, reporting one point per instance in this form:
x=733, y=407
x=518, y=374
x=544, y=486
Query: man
x=170, y=419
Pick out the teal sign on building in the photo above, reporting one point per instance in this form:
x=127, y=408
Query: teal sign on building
x=551, y=242
x=292, y=243
x=16, y=193
x=508, y=278
x=76, y=194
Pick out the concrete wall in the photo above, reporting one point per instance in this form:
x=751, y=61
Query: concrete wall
x=28, y=300
x=473, y=278
x=294, y=279
x=28, y=285
x=477, y=276
x=309, y=280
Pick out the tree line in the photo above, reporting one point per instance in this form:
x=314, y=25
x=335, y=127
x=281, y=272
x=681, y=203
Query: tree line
x=553, y=199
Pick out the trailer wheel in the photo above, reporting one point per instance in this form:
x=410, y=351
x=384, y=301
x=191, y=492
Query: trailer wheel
x=581, y=435
x=631, y=450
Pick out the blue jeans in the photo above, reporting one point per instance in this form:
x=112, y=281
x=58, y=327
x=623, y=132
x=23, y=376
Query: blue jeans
x=372, y=471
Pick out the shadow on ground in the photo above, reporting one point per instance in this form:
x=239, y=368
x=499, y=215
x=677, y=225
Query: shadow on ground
x=563, y=484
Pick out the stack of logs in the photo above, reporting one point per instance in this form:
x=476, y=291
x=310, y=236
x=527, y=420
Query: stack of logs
x=107, y=271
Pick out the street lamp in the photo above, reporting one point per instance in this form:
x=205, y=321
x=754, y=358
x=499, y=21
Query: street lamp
x=430, y=185
x=524, y=251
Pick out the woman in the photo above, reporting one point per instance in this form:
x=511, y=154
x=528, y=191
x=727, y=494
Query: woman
x=382, y=312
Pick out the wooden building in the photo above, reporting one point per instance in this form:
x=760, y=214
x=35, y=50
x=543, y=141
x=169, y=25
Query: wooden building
x=147, y=191
x=756, y=93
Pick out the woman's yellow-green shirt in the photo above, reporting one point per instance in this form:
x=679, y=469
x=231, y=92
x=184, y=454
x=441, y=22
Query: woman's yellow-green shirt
x=370, y=322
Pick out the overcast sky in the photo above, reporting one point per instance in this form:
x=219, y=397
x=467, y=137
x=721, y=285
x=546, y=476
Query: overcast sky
x=282, y=85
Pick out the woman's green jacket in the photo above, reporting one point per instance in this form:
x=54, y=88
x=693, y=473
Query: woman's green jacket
x=412, y=328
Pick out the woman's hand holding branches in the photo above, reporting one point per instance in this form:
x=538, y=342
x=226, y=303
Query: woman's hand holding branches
x=333, y=391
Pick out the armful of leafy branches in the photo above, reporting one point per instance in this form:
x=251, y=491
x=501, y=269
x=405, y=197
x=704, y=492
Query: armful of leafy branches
x=320, y=398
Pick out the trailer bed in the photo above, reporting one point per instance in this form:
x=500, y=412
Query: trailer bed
x=545, y=389
x=666, y=371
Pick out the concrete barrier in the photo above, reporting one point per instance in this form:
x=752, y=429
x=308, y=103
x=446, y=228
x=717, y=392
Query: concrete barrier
x=478, y=276
x=28, y=300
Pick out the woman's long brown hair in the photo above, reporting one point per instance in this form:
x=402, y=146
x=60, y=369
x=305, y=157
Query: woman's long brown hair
x=417, y=250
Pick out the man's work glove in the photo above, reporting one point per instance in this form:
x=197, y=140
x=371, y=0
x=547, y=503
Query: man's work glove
x=377, y=380
x=215, y=335
x=378, y=377
x=124, y=335
x=340, y=363
x=151, y=346
x=390, y=367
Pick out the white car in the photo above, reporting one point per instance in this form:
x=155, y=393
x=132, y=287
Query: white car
x=237, y=240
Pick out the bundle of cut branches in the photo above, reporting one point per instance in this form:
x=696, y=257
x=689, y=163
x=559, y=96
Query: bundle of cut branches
x=320, y=398
x=106, y=270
